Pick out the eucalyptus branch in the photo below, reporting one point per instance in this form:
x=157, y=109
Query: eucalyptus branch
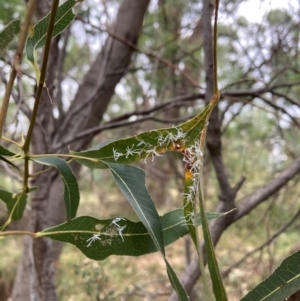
x=16, y=64
x=148, y=53
x=41, y=83
x=264, y=244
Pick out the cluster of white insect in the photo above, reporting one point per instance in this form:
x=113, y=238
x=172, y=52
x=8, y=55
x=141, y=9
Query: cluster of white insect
x=193, y=157
x=190, y=195
x=189, y=218
x=171, y=138
x=147, y=148
x=113, y=228
x=118, y=227
x=132, y=150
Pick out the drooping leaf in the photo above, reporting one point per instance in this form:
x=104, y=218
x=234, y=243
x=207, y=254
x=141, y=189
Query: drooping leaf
x=146, y=145
x=71, y=190
x=281, y=284
x=216, y=279
x=37, y=38
x=15, y=203
x=8, y=33
x=131, y=182
x=134, y=240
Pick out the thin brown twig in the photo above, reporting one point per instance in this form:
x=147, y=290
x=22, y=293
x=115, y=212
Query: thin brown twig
x=266, y=243
x=148, y=53
x=16, y=64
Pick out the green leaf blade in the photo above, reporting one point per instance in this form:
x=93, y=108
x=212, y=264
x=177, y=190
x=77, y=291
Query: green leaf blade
x=15, y=203
x=131, y=182
x=218, y=286
x=281, y=284
x=6, y=152
x=71, y=190
x=63, y=18
x=8, y=33
x=147, y=145
x=136, y=239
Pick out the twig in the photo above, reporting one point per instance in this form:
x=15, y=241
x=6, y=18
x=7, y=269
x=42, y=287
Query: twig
x=267, y=242
x=16, y=64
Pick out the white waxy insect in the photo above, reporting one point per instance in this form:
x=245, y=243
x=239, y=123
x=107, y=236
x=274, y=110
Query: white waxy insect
x=118, y=227
x=120, y=230
x=116, y=220
x=92, y=239
x=116, y=154
x=130, y=151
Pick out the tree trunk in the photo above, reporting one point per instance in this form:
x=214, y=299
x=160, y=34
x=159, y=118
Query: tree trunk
x=35, y=275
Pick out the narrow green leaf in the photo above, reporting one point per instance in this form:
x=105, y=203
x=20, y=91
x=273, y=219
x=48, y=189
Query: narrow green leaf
x=218, y=286
x=147, y=145
x=71, y=191
x=8, y=33
x=15, y=203
x=37, y=38
x=281, y=284
x=8, y=162
x=8, y=153
x=5, y=152
x=131, y=182
x=188, y=202
x=135, y=239
x=181, y=293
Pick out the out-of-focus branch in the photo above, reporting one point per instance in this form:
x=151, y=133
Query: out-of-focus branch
x=268, y=190
x=148, y=53
x=267, y=242
x=122, y=120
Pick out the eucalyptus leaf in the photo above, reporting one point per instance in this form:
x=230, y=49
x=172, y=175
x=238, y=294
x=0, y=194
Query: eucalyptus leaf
x=71, y=190
x=281, y=284
x=131, y=182
x=147, y=145
x=8, y=33
x=37, y=37
x=6, y=152
x=9, y=162
x=134, y=240
x=15, y=203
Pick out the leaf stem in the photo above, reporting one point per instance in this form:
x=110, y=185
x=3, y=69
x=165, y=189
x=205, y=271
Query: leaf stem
x=12, y=141
x=63, y=155
x=6, y=233
x=16, y=64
